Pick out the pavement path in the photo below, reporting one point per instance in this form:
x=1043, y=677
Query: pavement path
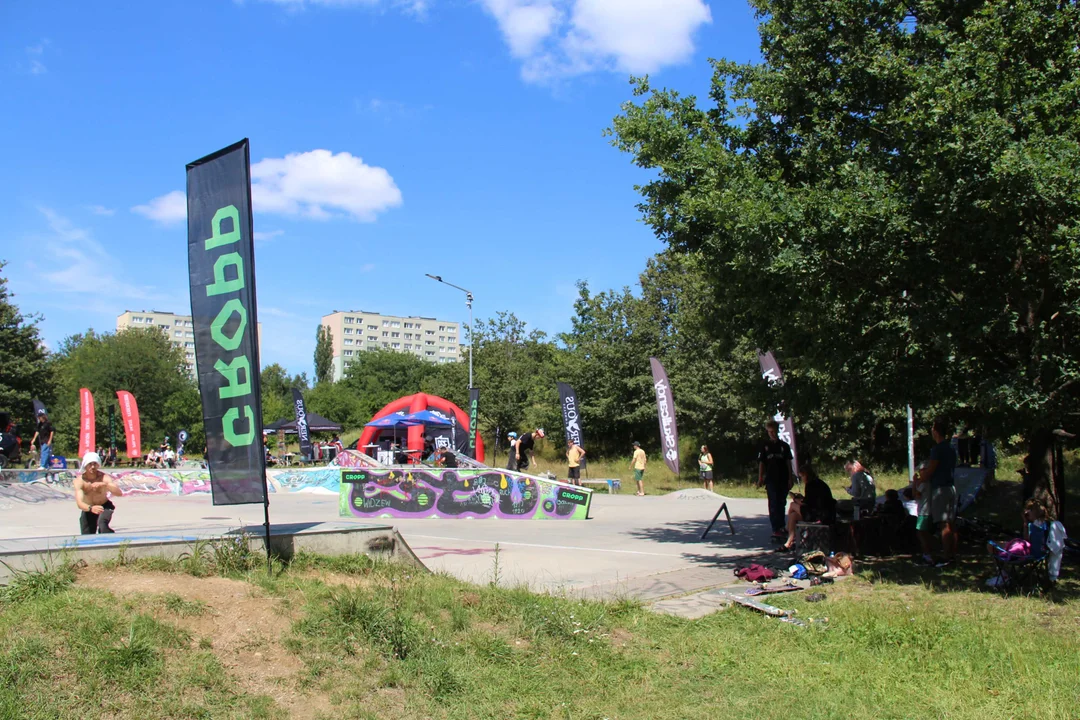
x=641, y=547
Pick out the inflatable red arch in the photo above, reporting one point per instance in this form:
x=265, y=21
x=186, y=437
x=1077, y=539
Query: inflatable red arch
x=417, y=403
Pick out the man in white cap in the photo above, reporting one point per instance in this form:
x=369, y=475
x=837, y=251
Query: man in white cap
x=525, y=445
x=92, y=489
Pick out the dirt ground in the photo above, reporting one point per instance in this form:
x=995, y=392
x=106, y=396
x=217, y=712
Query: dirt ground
x=244, y=627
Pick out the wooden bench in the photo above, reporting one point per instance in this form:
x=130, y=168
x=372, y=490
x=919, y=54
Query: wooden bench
x=613, y=485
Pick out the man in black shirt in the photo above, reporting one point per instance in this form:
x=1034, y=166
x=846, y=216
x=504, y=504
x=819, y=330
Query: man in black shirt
x=44, y=433
x=525, y=445
x=774, y=472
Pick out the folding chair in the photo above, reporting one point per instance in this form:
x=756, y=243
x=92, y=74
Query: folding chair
x=1040, y=568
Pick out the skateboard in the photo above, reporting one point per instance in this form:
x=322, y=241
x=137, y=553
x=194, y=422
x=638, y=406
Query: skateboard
x=786, y=616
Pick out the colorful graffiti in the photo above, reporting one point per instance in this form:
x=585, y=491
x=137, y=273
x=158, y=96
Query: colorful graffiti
x=317, y=480
x=131, y=482
x=406, y=493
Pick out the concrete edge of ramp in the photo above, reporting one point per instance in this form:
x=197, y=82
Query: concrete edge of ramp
x=382, y=542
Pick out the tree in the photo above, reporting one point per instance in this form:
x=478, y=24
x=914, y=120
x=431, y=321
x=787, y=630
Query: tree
x=277, y=387
x=378, y=377
x=891, y=201
x=324, y=354
x=24, y=372
x=139, y=360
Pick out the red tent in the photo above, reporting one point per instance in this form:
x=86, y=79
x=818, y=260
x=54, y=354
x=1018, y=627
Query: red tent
x=422, y=401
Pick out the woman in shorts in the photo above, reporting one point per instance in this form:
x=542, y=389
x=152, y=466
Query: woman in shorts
x=705, y=468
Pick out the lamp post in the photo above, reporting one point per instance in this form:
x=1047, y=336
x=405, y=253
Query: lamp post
x=468, y=304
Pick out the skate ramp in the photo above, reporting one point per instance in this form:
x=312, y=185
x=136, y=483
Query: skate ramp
x=409, y=492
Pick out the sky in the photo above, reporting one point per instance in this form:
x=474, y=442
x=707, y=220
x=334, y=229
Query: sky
x=389, y=139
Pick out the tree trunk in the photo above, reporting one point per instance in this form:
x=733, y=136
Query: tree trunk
x=1043, y=476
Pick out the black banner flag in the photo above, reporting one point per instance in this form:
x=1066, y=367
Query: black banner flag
x=221, y=266
x=571, y=416
x=301, y=424
x=474, y=409
x=774, y=376
x=665, y=409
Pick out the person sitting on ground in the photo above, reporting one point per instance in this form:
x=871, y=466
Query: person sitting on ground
x=153, y=460
x=816, y=506
x=705, y=468
x=839, y=565
x=92, y=490
x=893, y=505
x=523, y=449
x=862, y=489
x=574, y=455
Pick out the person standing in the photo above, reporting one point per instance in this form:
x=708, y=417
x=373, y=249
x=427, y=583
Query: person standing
x=574, y=455
x=525, y=445
x=44, y=433
x=637, y=464
x=92, y=489
x=774, y=472
x=939, y=473
x=511, y=461
x=705, y=468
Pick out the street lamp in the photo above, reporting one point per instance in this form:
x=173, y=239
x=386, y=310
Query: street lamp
x=468, y=304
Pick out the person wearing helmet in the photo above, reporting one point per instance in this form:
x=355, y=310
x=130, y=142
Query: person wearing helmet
x=92, y=489
x=525, y=445
x=511, y=440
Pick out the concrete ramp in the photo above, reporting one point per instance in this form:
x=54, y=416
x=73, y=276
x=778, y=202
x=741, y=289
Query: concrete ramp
x=286, y=539
x=421, y=492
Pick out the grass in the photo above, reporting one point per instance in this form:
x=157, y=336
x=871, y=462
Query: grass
x=70, y=652
x=380, y=640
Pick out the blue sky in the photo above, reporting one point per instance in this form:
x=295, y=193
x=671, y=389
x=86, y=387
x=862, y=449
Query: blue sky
x=389, y=138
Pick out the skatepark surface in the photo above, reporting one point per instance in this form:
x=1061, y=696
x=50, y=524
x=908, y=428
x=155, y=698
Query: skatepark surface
x=642, y=547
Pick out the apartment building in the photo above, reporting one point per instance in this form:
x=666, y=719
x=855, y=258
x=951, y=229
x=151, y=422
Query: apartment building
x=177, y=328
x=358, y=331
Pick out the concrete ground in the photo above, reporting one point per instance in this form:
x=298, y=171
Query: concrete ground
x=644, y=547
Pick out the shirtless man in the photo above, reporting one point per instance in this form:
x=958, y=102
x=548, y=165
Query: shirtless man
x=91, y=495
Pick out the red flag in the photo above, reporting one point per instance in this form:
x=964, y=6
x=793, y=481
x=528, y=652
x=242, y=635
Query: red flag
x=129, y=414
x=87, y=434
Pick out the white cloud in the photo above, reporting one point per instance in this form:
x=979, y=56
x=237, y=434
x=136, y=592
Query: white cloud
x=318, y=184
x=269, y=235
x=525, y=24
x=100, y=210
x=79, y=264
x=561, y=38
x=34, y=55
x=167, y=209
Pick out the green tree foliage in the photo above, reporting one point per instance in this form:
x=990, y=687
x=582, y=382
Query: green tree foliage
x=378, y=377
x=24, y=372
x=890, y=200
x=141, y=361
x=277, y=387
x=324, y=354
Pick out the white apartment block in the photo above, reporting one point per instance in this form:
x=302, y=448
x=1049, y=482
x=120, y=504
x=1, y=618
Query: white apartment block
x=357, y=331
x=177, y=328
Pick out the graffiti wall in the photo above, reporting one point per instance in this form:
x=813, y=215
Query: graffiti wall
x=132, y=482
x=427, y=493
x=316, y=480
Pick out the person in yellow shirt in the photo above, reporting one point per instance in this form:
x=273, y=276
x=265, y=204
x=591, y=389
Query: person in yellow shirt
x=638, y=466
x=574, y=454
